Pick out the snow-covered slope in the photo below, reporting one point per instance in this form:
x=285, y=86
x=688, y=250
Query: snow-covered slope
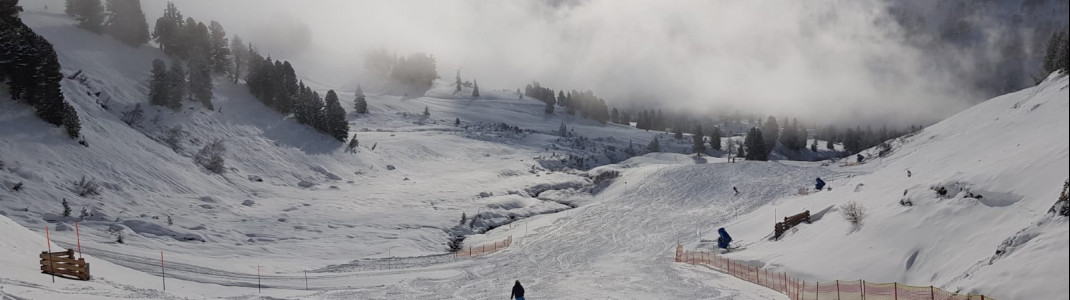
x=1003, y=163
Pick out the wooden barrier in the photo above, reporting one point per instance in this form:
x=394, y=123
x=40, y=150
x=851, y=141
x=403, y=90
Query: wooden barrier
x=789, y=223
x=64, y=264
x=485, y=249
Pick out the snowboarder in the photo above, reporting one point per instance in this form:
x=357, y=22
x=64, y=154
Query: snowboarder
x=820, y=184
x=724, y=240
x=736, y=190
x=518, y=291
x=909, y=174
x=860, y=158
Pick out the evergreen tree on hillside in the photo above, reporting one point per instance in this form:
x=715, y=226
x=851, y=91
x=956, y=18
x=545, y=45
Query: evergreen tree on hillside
x=563, y=130
x=240, y=58
x=200, y=79
x=126, y=22
x=1064, y=52
x=715, y=138
x=427, y=112
x=549, y=108
x=678, y=131
x=30, y=68
x=169, y=31
x=475, y=88
x=176, y=85
x=614, y=116
x=698, y=143
x=159, y=85
x=654, y=146
x=458, y=83
x=1053, y=56
x=88, y=13
x=770, y=133
x=219, y=54
x=360, y=104
x=197, y=37
x=562, y=100
x=335, y=117
x=625, y=119
x=755, y=146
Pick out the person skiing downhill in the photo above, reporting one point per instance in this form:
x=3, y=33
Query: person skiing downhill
x=518, y=291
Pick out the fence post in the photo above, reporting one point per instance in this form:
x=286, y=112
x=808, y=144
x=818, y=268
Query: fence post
x=817, y=290
x=932, y=292
x=306, y=280
x=896, y=285
x=51, y=265
x=79, y=235
x=863, y=282
x=258, y=288
x=163, y=272
x=837, y=290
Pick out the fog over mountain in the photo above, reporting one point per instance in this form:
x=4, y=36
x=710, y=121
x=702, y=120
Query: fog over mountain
x=894, y=62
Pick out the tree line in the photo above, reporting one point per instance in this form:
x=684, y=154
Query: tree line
x=586, y=104
x=205, y=51
x=30, y=68
x=1057, y=56
x=122, y=19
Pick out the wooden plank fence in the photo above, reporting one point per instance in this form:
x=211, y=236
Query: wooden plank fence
x=64, y=264
x=789, y=223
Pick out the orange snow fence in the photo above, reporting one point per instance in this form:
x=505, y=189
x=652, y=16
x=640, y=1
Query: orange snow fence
x=801, y=290
x=485, y=249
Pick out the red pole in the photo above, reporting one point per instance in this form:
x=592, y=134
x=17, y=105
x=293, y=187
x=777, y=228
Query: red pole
x=79, y=235
x=163, y=272
x=51, y=266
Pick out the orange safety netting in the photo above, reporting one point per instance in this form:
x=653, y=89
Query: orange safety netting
x=800, y=290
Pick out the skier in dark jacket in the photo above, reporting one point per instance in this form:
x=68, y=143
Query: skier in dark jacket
x=518, y=291
x=820, y=184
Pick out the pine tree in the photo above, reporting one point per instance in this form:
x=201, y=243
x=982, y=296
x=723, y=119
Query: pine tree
x=755, y=146
x=614, y=116
x=240, y=58
x=427, y=112
x=1052, y=57
x=770, y=133
x=549, y=108
x=813, y=147
x=458, y=83
x=715, y=138
x=200, y=79
x=126, y=22
x=698, y=141
x=219, y=54
x=335, y=117
x=475, y=88
x=562, y=100
x=654, y=146
x=563, y=130
x=360, y=104
x=66, y=209
x=160, y=86
x=88, y=13
x=677, y=131
x=169, y=31
x=625, y=118
x=1064, y=52
x=177, y=86
x=457, y=122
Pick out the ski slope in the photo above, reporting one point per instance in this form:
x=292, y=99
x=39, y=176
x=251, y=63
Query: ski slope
x=1011, y=150
x=375, y=224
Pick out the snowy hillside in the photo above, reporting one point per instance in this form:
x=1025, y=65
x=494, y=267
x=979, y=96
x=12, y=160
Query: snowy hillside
x=1003, y=164
x=590, y=219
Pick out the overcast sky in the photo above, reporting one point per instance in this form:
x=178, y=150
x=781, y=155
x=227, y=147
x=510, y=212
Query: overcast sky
x=814, y=59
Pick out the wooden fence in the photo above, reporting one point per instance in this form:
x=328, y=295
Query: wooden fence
x=64, y=264
x=789, y=223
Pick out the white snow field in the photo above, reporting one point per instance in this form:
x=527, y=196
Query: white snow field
x=1003, y=163
x=376, y=224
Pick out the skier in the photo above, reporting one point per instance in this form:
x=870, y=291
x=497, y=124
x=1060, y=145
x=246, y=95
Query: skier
x=736, y=190
x=518, y=291
x=860, y=158
x=820, y=184
x=724, y=240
